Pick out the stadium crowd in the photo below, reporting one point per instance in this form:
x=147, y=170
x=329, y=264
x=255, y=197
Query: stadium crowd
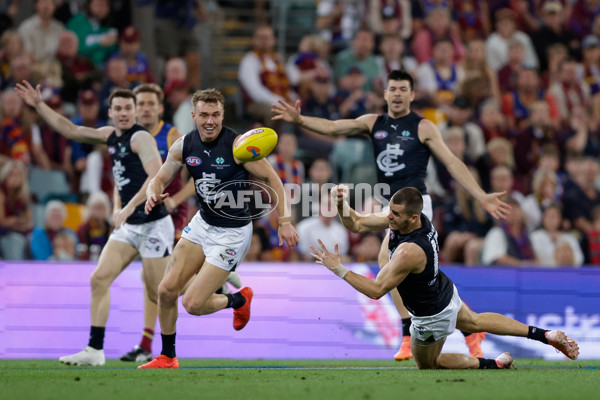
x=513, y=85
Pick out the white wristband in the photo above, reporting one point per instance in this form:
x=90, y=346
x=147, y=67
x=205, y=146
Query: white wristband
x=340, y=271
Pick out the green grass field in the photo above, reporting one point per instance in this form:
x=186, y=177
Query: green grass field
x=297, y=379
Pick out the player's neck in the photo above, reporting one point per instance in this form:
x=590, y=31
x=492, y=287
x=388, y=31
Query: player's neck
x=399, y=114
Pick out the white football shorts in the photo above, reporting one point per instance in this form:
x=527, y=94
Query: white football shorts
x=441, y=325
x=152, y=240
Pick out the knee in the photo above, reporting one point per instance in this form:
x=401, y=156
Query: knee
x=166, y=295
x=192, y=306
x=99, y=282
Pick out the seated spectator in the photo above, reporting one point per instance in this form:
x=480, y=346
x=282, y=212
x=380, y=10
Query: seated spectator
x=359, y=55
x=438, y=25
x=15, y=129
x=507, y=75
x=499, y=153
x=581, y=194
x=339, y=20
x=11, y=46
x=492, y=122
x=367, y=249
x=473, y=19
x=319, y=174
x=324, y=226
x=465, y=223
x=390, y=18
x=545, y=193
x=177, y=96
x=309, y=62
x=138, y=68
x=439, y=80
x=97, y=41
x=287, y=167
x=43, y=236
x=353, y=101
x=78, y=72
x=569, y=91
x=41, y=31
x=475, y=65
x=392, y=57
x=269, y=224
x=582, y=136
x=589, y=69
x=262, y=76
x=506, y=31
x=260, y=250
x=16, y=217
x=115, y=77
x=93, y=233
x=557, y=53
x=593, y=238
x=553, y=247
x=460, y=114
x=509, y=244
x=63, y=247
x=21, y=69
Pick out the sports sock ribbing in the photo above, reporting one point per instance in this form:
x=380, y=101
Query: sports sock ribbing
x=168, y=345
x=147, y=337
x=96, y=340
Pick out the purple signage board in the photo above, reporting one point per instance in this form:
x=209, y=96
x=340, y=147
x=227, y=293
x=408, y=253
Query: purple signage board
x=299, y=311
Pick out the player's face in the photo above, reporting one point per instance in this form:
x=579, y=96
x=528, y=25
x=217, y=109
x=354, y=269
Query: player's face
x=209, y=120
x=122, y=112
x=399, y=219
x=148, y=109
x=398, y=96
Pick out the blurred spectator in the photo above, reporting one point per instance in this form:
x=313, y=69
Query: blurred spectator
x=262, y=76
x=15, y=130
x=552, y=31
x=115, y=77
x=178, y=98
x=588, y=71
x=581, y=195
x=138, y=69
x=97, y=41
x=553, y=247
x=339, y=20
x=557, y=53
x=439, y=181
x=545, y=191
x=93, y=233
x=390, y=17
x=439, y=79
x=352, y=100
x=437, y=26
x=529, y=141
x=43, y=236
x=320, y=174
x=569, y=91
x=259, y=247
x=501, y=179
x=359, y=55
x=41, y=32
x=515, y=105
x=16, y=217
x=460, y=114
x=509, y=244
x=78, y=72
x=175, y=35
x=472, y=18
x=465, y=224
x=593, y=238
x=289, y=169
x=581, y=17
x=583, y=135
x=325, y=227
x=392, y=58
x=309, y=62
x=506, y=31
x=507, y=75
x=11, y=46
x=492, y=122
x=475, y=65
x=272, y=251
x=21, y=69
x=7, y=13
x=175, y=69
x=63, y=247
x=367, y=250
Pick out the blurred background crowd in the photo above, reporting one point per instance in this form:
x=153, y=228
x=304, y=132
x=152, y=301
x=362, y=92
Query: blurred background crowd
x=514, y=86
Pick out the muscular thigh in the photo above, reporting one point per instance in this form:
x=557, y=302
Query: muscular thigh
x=153, y=271
x=186, y=260
x=208, y=280
x=114, y=258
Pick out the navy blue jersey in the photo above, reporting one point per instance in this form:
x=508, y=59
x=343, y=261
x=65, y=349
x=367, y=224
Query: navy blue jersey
x=429, y=292
x=129, y=175
x=401, y=158
x=217, y=179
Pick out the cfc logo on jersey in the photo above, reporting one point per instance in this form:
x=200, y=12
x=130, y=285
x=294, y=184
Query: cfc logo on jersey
x=387, y=160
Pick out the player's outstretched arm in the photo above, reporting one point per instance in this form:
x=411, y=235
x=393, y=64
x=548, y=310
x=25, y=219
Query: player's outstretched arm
x=343, y=127
x=33, y=97
x=166, y=173
x=431, y=136
x=353, y=221
x=406, y=258
x=262, y=170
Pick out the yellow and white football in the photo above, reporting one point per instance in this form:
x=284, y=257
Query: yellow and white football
x=255, y=144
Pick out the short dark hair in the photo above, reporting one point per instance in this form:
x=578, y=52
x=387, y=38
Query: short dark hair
x=411, y=198
x=120, y=92
x=150, y=88
x=400, y=75
x=211, y=96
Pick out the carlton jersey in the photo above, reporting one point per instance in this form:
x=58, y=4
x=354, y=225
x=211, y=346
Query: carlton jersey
x=217, y=179
x=400, y=156
x=430, y=291
x=129, y=175
x=165, y=135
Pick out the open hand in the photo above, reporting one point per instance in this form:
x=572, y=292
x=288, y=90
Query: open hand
x=287, y=112
x=496, y=207
x=32, y=97
x=326, y=258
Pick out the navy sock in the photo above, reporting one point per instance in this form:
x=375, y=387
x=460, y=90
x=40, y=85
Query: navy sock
x=487, y=363
x=235, y=300
x=538, y=334
x=465, y=334
x=96, y=340
x=168, y=345
x=406, y=322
